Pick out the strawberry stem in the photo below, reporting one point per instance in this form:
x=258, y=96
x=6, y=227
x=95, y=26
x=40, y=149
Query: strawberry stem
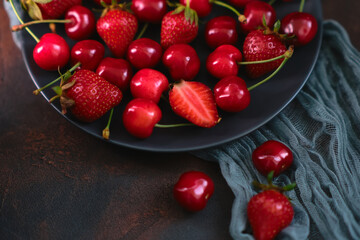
x=37, y=91
x=106, y=131
x=286, y=56
x=225, y=5
x=301, y=8
x=143, y=30
x=21, y=21
x=21, y=26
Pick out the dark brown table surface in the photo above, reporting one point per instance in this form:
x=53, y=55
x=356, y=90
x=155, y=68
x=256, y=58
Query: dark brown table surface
x=58, y=182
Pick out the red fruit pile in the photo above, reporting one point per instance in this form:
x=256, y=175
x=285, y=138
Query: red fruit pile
x=269, y=211
x=167, y=66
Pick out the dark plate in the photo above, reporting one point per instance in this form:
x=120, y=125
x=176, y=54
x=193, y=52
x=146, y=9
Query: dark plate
x=266, y=101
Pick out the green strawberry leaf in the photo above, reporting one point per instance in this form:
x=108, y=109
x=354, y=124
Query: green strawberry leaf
x=42, y=1
x=277, y=26
x=33, y=10
x=178, y=10
x=188, y=14
x=264, y=21
x=57, y=90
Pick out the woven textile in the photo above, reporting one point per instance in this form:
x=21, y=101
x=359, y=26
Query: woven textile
x=322, y=127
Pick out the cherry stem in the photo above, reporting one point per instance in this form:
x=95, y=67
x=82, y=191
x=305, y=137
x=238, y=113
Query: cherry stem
x=269, y=77
x=143, y=30
x=262, y=61
x=286, y=56
x=37, y=91
x=227, y=6
x=106, y=131
x=21, y=26
x=301, y=8
x=21, y=21
x=174, y=125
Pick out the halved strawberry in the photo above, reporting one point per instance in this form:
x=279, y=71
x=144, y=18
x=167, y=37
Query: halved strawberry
x=195, y=102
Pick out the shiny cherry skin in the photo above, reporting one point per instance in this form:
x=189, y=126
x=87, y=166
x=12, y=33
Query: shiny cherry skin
x=51, y=52
x=221, y=30
x=149, y=10
x=89, y=53
x=193, y=190
x=272, y=156
x=303, y=25
x=223, y=61
x=83, y=23
x=99, y=2
x=149, y=84
x=140, y=116
x=231, y=94
x=202, y=7
x=116, y=71
x=182, y=62
x=239, y=3
x=254, y=12
x=144, y=53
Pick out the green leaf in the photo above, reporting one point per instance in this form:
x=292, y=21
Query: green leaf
x=34, y=10
x=289, y=187
x=264, y=21
x=270, y=177
x=57, y=90
x=42, y=1
x=277, y=26
x=178, y=10
x=187, y=14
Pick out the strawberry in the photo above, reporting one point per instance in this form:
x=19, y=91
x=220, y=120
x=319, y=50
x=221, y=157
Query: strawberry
x=179, y=26
x=269, y=212
x=195, y=102
x=89, y=96
x=261, y=45
x=48, y=9
x=117, y=27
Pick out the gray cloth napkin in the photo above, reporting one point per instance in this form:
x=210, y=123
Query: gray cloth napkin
x=322, y=127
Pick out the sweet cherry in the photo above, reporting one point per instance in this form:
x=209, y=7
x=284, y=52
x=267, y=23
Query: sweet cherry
x=221, y=30
x=140, y=117
x=149, y=10
x=51, y=52
x=239, y=3
x=149, y=84
x=231, y=94
x=144, y=53
x=202, y=7
x=116, y=71
x=182, y=62
x=254, y=12
x=303, y=25
x=88, y=52
x=223, y=61
x=272, y=156
x=193, y=190
x=82, y=24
